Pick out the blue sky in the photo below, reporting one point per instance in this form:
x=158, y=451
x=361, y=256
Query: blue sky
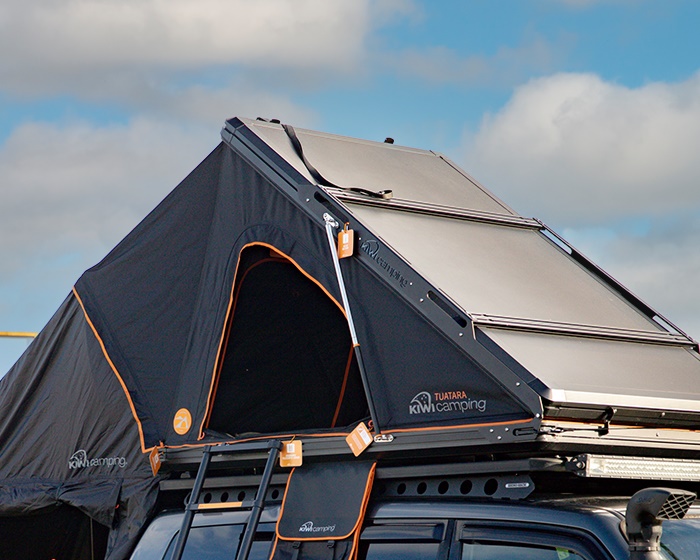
x=584, y=113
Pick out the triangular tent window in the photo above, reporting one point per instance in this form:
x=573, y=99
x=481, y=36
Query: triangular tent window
x=287, y=363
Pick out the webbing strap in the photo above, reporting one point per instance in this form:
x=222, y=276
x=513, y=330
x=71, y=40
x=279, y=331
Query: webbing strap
x=320, y=179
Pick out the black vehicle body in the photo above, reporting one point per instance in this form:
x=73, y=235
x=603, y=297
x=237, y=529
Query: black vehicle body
x=435, y=529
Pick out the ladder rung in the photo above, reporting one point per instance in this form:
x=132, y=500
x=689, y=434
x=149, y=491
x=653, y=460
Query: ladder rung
x=223, y=505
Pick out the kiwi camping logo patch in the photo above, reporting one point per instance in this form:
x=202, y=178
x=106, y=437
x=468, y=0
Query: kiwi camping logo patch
x=309, y=527
x=445, y=401
x=371, y=247
x=80, y=460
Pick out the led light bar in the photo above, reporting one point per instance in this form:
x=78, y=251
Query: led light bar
x=645, y=468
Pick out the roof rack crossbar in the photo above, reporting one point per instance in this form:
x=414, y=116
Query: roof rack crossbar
x=438, y=210
x=599, y=332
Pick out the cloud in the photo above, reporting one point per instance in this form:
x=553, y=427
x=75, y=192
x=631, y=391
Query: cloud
x=77, y=189
x=590, y=151
x=56, y=43
x=208, y=105
x=506, y=67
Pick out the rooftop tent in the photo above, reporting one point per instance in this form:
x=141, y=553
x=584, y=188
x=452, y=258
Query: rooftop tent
x=224, y=316
x=224, y=305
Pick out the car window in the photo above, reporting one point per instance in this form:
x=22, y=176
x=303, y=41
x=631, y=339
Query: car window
x=525, y=541
x=400, y=551
x=681, y=539
x=492, y=551
x=209, y=543
x=220, y=542
x=414, y=541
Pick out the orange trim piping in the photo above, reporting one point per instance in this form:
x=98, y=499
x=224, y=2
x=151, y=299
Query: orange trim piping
x=434, y=428
x=342, y=389
x=116, y=373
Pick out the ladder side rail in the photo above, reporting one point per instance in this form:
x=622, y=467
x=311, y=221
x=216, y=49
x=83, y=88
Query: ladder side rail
x=259, y=502
x=192, y=504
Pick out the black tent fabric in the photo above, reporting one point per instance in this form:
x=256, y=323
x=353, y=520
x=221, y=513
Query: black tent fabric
x=219, y=315
x=67, y=439
x=162, y=301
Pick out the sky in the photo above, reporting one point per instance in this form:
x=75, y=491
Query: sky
x=582, y=113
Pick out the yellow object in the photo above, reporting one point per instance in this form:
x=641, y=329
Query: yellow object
x=291, y=454
x=182, y=421
x=9, y=334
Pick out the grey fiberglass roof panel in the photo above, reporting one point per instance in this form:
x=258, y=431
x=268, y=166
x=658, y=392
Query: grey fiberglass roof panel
x=410, y=173
x=506, y=271
x=606, y=372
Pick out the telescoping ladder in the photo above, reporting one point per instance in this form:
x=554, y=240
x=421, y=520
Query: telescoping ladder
x=255, y=506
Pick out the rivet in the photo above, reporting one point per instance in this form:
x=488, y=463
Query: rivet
x=461, y=334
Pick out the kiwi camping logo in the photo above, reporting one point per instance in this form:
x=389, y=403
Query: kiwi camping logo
x=80, y=460
x=446, y=401
x=371, y=247
x=309, y=527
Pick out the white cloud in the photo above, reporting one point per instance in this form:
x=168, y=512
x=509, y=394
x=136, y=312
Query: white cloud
x=185, y=33
x=589, y=151
x=210, y=106
x=76, y=190
x=56, y=42
x=506, y=66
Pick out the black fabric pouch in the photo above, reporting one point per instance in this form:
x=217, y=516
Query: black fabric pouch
x=322, y=512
